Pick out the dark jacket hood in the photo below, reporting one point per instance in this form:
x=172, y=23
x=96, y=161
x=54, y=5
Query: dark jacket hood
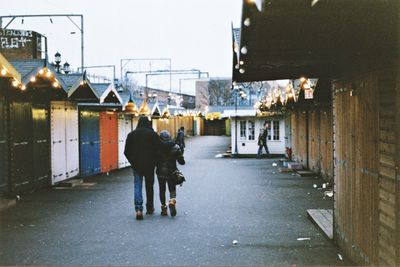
x=143, y=123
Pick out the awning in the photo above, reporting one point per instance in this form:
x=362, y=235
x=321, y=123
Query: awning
x=292, y=38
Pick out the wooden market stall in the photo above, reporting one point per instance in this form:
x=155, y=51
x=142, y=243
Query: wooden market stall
x=99, y=131
x=8, y=75
x=355, y=137
x=65, y=126
x=29, y=123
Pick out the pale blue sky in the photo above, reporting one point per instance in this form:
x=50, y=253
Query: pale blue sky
x=193, y=33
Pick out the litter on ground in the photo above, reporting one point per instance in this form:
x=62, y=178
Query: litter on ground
x=303, y=238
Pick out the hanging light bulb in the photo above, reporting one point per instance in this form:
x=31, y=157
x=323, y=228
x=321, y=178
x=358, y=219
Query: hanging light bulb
x=244, y=50
x=3, y=72
x=235, y=48
x=48, y=73
x=242, y=70
x=41, y=71
x=23, y=87
x=241, y=62
x=33, y=79
x=247, y=22
x=306, y=85
x=15, y=83
x=55, y=84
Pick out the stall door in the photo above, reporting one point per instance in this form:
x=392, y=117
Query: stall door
x=72, y=144
x=124, y=128
x=89, y=135
x=41, y=144
x=21, y=149
x=58, y=149
x=109, y=141
x=135, y=121
x=3, y=146
x=154, y=124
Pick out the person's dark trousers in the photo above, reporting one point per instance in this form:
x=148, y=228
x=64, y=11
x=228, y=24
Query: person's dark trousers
x=162, y=182
x=266, y=149
x=259, y=153
x=149, y=183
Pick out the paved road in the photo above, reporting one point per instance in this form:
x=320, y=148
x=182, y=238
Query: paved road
x=223, y=200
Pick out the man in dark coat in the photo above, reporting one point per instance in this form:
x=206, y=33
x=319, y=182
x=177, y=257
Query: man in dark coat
x=262, y=140
x=180, y=138
x=141, y=151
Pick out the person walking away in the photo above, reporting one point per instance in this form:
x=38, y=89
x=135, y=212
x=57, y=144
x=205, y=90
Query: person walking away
x=141, y=151
x=262, y=140
x=180, y=138
x=168, y=154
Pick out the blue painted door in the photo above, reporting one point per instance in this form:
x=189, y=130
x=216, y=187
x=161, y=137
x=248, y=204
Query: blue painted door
x=89, y=141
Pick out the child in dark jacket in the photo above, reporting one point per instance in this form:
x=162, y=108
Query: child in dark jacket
x=169, y=153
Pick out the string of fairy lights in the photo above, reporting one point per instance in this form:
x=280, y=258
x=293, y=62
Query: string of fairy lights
x=42, y=73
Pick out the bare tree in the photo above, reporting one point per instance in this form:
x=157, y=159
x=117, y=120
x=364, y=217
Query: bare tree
x=219, y=92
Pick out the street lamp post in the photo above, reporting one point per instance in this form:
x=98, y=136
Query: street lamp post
x=57, y=60
x=65, y=67
x=238, y=93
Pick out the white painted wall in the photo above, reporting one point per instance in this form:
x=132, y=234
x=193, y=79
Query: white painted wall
x=58, y=153
x=72, y=139
x=124, y=128
x=250, y=147
x=64, y=141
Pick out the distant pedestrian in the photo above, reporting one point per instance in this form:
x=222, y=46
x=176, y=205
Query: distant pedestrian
x=141, y=151
x=180, y=138
x=262, y=140
x=168, y=154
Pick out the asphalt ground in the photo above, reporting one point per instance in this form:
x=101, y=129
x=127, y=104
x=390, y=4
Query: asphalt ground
x=224, y=200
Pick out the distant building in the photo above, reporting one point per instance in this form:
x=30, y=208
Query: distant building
x=213, y=92
x=20, y=44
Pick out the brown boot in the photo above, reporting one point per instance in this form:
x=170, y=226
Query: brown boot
x=172, y=206
x=139, y=215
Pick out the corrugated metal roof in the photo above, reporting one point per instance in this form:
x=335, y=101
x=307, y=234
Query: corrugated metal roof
x=30, y=67
x=100, y=88
x=70, y=79
x=27, y=66
x=125, y=96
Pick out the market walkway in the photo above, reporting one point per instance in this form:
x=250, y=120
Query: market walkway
x=223, y=200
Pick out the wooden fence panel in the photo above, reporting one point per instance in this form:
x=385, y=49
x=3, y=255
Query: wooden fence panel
x=389, y=214
x=314, y=139
x=356, y=180
x=326, y=144
x=295, y=135
x=302, y=138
